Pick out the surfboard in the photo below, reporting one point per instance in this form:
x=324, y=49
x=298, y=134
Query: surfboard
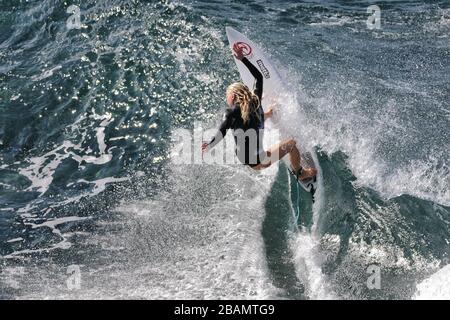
x=273, y=89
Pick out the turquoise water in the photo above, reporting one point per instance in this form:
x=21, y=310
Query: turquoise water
x=86, y=176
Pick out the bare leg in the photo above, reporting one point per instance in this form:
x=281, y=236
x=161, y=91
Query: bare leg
x=294, y=157
x=278, y=151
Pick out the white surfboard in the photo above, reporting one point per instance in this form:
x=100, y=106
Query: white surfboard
x=273, y=89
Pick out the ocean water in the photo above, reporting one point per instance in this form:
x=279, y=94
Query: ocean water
x=93, y=205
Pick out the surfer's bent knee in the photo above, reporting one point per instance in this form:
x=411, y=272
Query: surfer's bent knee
x=290, y=144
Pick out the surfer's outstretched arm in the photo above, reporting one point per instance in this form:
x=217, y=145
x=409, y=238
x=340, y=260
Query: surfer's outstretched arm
x=269, y=113
x=221, y=132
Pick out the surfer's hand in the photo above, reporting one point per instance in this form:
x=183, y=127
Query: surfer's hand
x=238, y=52
x=204, y=147
x=269, y=113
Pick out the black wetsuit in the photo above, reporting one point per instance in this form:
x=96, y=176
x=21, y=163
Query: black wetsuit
x=248, y=136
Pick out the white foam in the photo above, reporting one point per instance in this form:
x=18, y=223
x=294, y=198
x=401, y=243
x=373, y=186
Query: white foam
x=305, y=244
x=333, y=21
x=100, y=184
x=199, y=239
x=308, y=257
x=6, y=186
x=52, y=224
x=230, y=264
x=388, y=256
x=46, y=73
x=435, y=287
x=41, y=169
x=341, y=128
x=308, y=262
x=441, y=26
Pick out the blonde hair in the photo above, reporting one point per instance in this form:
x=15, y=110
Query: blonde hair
x=247, y=100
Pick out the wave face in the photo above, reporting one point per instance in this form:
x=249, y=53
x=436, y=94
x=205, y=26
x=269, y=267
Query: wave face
x=87, y=180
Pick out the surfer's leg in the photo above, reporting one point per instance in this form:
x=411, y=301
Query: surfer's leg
x=278, y=151
x=300, y=172
x=294, y=156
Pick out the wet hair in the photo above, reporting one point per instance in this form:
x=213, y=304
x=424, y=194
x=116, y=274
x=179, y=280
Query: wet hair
x=247, y=100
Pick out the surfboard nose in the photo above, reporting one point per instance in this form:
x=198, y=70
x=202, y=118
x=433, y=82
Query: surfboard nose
x=230, y=31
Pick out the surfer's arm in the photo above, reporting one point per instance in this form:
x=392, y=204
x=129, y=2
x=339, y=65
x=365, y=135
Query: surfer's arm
x=269, y=113
x=257, y=75
x=222, y=131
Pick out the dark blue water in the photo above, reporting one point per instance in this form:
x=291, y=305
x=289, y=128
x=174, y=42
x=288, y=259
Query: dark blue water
x=87, y=180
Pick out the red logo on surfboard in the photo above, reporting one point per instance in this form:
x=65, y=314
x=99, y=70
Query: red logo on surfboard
x=247, y=50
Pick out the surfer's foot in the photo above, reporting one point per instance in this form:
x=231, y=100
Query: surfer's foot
x=305, y=173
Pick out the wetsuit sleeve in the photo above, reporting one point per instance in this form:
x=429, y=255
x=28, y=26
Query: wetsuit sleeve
x=257, y=75
x=224, y=126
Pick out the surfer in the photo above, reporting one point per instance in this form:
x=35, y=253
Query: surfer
x=245, y=116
